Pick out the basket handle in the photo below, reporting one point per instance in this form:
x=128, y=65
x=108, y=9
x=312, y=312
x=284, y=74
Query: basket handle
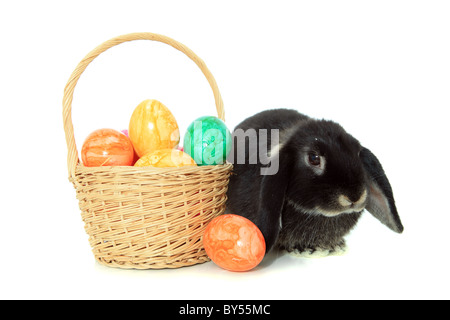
x=72, y=158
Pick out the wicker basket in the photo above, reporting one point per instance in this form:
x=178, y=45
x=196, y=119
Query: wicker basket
x=145, y=218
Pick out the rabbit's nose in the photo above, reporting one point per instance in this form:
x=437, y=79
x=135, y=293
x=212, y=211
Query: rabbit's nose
x=347, y=202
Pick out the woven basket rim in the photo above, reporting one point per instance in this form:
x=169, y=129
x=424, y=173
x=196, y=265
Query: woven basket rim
x=155, y=170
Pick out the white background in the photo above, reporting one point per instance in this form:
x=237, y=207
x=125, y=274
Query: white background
x=379, y=68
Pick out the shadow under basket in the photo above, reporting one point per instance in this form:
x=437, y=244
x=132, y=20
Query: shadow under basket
x=144, y=217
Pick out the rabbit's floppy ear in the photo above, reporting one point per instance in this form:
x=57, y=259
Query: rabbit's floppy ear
x=271, y=199
x=380, y=203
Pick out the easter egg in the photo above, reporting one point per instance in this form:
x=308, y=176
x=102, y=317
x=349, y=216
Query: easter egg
x=207, y=141
x=234, y=243
x=152, y=127
x=107, y=147
x=165, y=158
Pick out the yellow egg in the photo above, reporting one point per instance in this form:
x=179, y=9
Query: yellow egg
x=165, y=158
x=153, y=127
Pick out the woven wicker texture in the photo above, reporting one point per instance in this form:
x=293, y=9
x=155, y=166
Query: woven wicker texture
x=143, y=217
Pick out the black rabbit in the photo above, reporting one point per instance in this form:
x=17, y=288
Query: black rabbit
x=309, y=190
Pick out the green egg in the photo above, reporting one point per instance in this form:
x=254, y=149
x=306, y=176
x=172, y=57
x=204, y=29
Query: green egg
x=207, y=141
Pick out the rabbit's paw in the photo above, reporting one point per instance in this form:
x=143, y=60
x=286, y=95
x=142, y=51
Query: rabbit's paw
x=319, y=252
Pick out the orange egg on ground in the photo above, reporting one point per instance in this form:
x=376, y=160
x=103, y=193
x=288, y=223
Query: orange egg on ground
x=165, y=158
x=234, y=243
x=153, y=127
x=107, y=147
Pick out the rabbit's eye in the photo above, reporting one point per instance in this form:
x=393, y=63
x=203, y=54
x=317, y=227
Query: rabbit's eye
x=314, y=159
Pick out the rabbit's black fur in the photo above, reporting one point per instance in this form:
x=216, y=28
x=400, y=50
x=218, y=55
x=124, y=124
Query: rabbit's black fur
x=305, y=206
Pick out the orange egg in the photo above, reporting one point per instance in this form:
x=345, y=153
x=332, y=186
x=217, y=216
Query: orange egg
x=165, y=158
x=234, y=243
x=153, y=127
x=107, y=147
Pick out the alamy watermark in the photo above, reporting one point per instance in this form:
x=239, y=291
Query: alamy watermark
x=252, y=147
x=247, y=147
